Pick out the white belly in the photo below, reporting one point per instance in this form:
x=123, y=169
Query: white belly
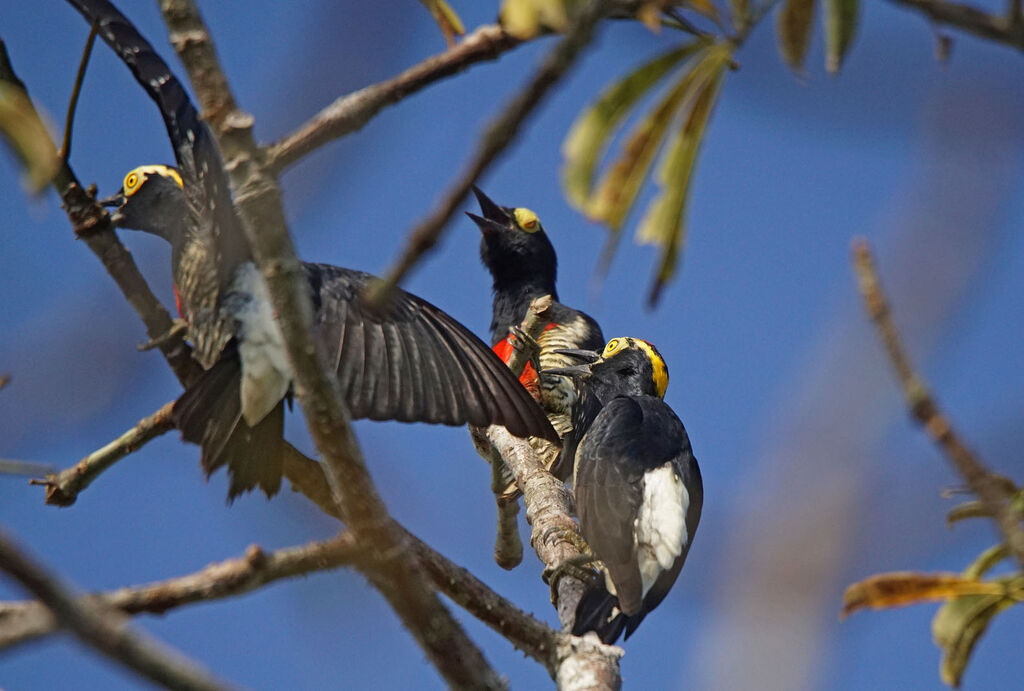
x=660, y=527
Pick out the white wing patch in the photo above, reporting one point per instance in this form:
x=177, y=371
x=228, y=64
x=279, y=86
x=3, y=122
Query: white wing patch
x=660, y=527
x=266, y=372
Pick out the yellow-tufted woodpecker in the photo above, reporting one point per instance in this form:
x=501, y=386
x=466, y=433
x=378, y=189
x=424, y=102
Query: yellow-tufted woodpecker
x=523, y=265
x=637, y=484
x=406, y=361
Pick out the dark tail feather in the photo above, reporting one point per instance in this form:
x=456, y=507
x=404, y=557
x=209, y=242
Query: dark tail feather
x=598, y=611
x=209, y=414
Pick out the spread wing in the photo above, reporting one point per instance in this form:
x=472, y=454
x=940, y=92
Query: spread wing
x=411, y=361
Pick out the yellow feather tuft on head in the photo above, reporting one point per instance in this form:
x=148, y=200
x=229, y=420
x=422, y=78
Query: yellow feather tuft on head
x=660, y=369
x=526, y=220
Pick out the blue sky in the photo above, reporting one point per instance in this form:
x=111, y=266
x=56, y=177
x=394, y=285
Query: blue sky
x=814, y=475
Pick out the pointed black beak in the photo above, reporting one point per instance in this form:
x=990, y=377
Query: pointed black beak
x=112, y=200
x=491, y=211
x=574, y=371
x=486, y=225
x=585, y=355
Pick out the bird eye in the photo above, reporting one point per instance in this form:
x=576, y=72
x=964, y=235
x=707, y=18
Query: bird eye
x=131, y=181
x=611, y=348
x=527, y=220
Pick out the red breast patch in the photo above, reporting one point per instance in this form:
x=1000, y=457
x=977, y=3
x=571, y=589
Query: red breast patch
x=529, y=379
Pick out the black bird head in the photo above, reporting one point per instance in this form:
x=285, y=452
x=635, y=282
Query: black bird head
x=627, y=366
x=514, y=246
x=152, y=200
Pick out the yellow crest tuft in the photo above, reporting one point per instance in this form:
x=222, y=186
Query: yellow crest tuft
x=660, y=369
x=526, y=220
x=136, y=176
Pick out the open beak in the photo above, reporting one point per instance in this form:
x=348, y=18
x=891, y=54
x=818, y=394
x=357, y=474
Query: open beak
x=585, y=355
x=494, y=217
x=573, y=371
x=115, y=201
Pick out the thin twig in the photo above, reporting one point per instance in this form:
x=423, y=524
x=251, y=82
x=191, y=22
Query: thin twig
x=398, y=578
x=350, y=112
x=62, y=488
x=69, y=122
x=994, y=27
x=91, y=223
x=496, y=139
x=993, y=490
x=104, y=629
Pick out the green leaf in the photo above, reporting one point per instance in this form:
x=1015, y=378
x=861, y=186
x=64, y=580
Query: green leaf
x=664, y=222
x=794, y=29
x=841, y=18
x=27, y=136
x=590, y=134
x=958, y=625
x=986, y=560
x=446, y=18
x=902, y=588
x=525, y=19
x=740, y=11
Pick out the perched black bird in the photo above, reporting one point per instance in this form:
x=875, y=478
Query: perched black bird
x=405, y=361
x=638, y=488
x=523, y=265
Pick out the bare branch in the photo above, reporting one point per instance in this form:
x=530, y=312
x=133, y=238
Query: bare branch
x=62, y=488
x=91, y=223
x=350, y=112
x=24, y=621
x=1001, y=29
x=993, y=490
x=534, y=638
x=496, y=139
x=102, y=629
x=258, y=199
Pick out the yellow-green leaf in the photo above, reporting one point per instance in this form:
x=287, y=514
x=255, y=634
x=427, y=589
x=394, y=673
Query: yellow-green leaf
x=27, y=136
x=590, y=134
x=794, y=30
x=525, y=19
x=840, y=27
x=986, y=560
x=958, y=625
x=901, y=588
x=446, y=18
x=664, y=222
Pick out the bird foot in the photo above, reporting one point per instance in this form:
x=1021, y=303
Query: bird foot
x=574, y=566
x=178, y=327
x=524, y=342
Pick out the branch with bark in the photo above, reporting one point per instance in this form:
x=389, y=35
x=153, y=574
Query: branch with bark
x=1006, y=29
x=258, y=200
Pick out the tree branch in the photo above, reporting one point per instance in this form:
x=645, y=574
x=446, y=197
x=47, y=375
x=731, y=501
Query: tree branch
x=62, y=488
x=100, y=628
x=1001, y=29
x=350, y=112
x=258, y=199
x=496, y=139
x=24, y=621
x=993, y=490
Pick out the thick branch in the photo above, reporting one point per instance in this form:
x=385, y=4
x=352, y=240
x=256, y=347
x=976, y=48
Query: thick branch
x=350, y=112
x=1001, y=29
x=258, y=199
x=104, y=630
x=991, y=489
x=496, y=139
x=62, y=488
